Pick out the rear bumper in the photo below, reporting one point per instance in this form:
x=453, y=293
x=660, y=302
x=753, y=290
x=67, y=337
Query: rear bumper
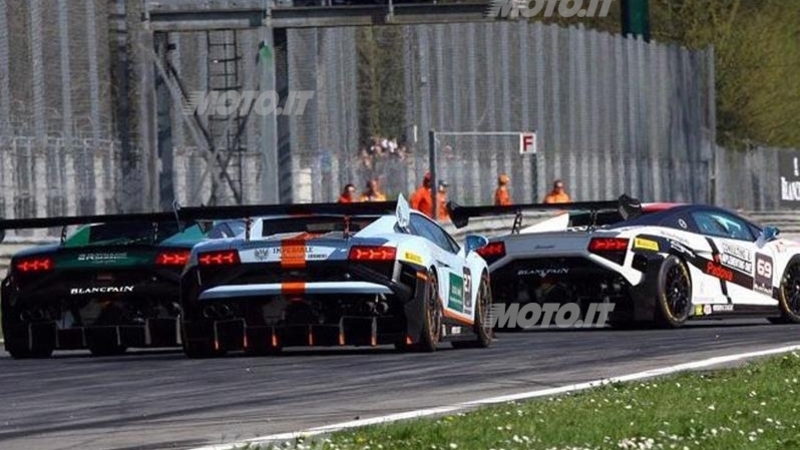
x=152, y=333
x=239, y=291
x=245, y=330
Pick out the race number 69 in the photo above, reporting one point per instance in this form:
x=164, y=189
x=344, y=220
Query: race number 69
x=764, y=268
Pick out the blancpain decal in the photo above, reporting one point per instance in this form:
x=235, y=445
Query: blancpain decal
x=101, y=290
x=102, y=256
x=544, y=272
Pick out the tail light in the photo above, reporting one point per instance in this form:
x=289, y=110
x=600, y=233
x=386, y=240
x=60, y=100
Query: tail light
x=612, y=249
x=173, y=258
x=219, y=258
x=600, y=245
x=30, y=265
x=372, y=253
x=492, y=251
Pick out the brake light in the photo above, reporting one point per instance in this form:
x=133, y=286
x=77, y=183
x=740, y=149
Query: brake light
x=372, y=253
x=30, y=265
x=600, y=245
x=219, y=258
x=493, y=250
x=173, y=258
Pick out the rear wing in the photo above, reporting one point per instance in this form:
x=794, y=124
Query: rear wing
x=628, y=208
x=203, y=213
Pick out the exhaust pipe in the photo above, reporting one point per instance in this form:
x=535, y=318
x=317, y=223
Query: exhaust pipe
x=382, y=308
x=32, y=315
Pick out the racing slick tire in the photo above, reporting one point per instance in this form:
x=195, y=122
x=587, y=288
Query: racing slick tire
x=432, y=314
x=673, y=293
x=22, y=351
x=789, y=294
x=482, y=328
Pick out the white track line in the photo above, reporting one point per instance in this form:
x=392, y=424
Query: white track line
x=506, y=398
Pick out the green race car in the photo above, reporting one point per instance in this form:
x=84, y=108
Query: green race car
x=108, y=287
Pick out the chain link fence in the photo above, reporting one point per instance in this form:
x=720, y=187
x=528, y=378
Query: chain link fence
x=612, y=115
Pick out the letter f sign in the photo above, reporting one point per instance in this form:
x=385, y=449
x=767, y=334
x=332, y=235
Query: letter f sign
x=527, y=144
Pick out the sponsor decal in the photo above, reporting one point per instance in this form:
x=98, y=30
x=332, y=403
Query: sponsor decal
x=455, y=299
x=735, y=250
x=762, y=281
x=707, y=309
x=102, y=257
x=101, y=290
x=544, y=272
x=682, y=224
x=467, y=291
x=646, y=244
x=698, y=310
x=719, y=271
x=413, y=257
x=722, y=308
x=675, y=237
x=261, y=253
x=737, y=263
x=544, y=247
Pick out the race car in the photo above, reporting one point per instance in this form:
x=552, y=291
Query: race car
x=111, y=285
x=659, y=263
x=336, y=275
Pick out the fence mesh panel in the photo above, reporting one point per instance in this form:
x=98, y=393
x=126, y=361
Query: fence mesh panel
x=80, y=133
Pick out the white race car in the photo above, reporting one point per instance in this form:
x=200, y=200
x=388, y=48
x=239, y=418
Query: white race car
x=662, y=263
x=336, y=274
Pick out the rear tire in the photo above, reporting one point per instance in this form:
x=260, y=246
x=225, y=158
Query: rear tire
x=789, y=295
x=432, y=311
x=674, y=293
x=482, y=328
x=23, y=352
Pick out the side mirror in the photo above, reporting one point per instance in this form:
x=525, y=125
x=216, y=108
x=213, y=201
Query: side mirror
x=769, y=234
x=474, y=242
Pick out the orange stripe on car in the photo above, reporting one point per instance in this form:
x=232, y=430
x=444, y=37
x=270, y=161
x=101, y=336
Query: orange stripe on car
x=293, y=287
x=458, y=317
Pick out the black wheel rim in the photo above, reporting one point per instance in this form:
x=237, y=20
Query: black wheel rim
x=677, y=291
x=434, y=312
x=791, y=288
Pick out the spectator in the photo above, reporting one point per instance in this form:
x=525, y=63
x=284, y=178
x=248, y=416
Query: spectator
x=372, y=194
x=347, y=194
x=558, y=194
x=501, y=195
x=422, y=199
x=441, y=202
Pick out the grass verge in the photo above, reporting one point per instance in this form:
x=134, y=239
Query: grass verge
x=751, y=407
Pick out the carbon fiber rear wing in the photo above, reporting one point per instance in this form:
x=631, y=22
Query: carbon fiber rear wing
x=628, y=208
x=201, y=213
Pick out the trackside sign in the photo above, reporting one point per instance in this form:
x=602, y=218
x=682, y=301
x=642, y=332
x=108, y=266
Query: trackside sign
x=789, y=171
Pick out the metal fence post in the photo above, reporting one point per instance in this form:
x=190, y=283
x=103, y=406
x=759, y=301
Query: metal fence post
x=432, y=166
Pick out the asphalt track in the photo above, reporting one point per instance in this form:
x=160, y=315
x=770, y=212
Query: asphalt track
x=160, y=399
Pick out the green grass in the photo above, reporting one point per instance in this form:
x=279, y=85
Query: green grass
x=751, y=407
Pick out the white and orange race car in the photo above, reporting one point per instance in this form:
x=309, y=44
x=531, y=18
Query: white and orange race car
x=336, y=275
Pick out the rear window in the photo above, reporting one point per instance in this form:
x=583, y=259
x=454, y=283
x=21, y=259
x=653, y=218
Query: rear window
x=316, y=225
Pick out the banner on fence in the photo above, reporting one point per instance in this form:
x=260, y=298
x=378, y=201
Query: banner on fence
x=789, y=171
